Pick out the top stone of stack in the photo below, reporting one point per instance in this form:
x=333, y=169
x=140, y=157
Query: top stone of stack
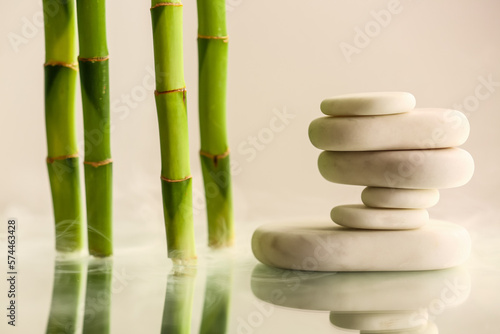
x=378, y=103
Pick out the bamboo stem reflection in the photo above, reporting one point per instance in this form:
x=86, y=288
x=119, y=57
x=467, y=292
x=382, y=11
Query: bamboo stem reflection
x=217, y=301
x=98, y=296
x=179, y=301
x=67, y=297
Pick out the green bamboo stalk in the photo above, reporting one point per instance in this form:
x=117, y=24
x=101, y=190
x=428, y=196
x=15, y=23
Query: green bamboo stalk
x=214, y=153
x=97, y=316
x=60, y=89
x=178, y=305
x=94, y=79
x=170, y=99
x=67, y=298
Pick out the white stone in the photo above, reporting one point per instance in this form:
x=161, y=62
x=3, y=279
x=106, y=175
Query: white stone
x=417, y=129
x=414, y=169
x=352, y=292
x=399, y=198
x=327, y=247
x=376, y=321
x=377, y=103
x=362, y=217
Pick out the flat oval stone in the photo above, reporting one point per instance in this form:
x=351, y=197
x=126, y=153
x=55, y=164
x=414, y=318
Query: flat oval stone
x=362, y=217
x=376, y=103
x=417, y=129
x=378, y=321
x=352, y=292
x=412, y=169
x=376, y=197
x=326, y=247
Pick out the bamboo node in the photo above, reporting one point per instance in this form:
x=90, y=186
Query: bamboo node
x=163, y=4
x=225, y=39
x=183, y=89
x=61, y=157
x=104, y=58
x=73, y=66
x=173, y=181
x=96, y=164
x=215, y=156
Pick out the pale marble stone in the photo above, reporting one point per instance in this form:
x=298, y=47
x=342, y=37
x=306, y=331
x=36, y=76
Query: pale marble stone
x=417, y=129
x=377, y=103
x=417, y=169
x=329, y=247
x=362, y=291
x=362, y=217
x=376, y=321
x=399, y=198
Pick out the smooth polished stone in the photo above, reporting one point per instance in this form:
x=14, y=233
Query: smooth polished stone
x=329, y=247
x=399, y=198
x=415, y=291
x=413, y=169
x=376, y=321
x=362, y=217
x=417, y=129
x=376, y=103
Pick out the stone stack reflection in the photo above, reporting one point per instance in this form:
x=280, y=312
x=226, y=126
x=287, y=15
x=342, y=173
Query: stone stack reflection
x=378, y=302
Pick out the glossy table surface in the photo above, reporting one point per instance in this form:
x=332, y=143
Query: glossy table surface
x=229, y=291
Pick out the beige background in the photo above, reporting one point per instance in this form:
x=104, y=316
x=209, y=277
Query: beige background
x=284, y=56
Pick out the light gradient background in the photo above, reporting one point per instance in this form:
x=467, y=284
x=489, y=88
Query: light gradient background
x=284, y=55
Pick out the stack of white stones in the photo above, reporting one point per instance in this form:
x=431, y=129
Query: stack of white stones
x=403, y=156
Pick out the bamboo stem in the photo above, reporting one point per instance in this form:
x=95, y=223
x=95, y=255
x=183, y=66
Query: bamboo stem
x=170, y=97
x=214, y=153
x=94, y=79
x=60, y=89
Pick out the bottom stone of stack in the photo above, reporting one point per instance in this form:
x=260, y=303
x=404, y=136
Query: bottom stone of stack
x=329, y=247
